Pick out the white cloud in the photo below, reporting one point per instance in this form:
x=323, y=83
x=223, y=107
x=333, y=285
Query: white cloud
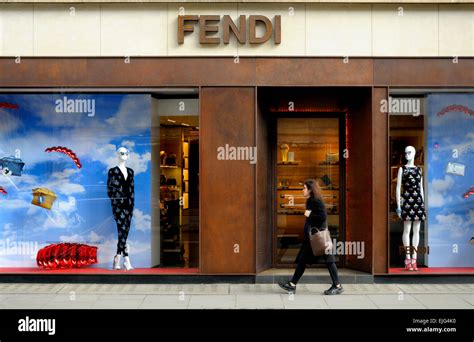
x=91, y=238
x=471, y=217
x=139, y=162
x=128, y=144
x=141, y=221
x=94, y=237
x=442, y=184
x=55, y=220
x=452, y=224
x=24, y=183
x=132, y=117
x=107, y=155
x=33, y=210
x=60, y=182
x=8, y=232
x=67, y=207
x=71, y=238
x=89, y=139
x=14, y=204
x=9, y=123
x=437, y=191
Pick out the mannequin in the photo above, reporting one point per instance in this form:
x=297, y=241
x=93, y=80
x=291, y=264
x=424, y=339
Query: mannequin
x=121, y=191
x=412, y=209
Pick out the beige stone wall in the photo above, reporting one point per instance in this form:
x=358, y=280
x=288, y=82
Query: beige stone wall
x=420, y=30
x=245, y=1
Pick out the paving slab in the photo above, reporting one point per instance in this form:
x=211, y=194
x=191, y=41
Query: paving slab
x=267, y=301
x=212, y=302
x=442, y=301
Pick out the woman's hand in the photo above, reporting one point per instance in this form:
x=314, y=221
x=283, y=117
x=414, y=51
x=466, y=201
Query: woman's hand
x=307, y=213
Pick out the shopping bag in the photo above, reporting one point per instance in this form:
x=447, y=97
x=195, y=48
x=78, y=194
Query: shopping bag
x=320, y=240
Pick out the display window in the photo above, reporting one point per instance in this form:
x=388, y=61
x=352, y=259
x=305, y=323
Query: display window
x=431, y=161
x=105, y=182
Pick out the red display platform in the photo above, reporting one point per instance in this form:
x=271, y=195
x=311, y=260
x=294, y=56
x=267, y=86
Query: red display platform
x=433, y=270
x=101, y=271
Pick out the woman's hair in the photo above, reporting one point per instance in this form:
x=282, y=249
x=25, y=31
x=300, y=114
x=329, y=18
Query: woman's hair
x=314, y=188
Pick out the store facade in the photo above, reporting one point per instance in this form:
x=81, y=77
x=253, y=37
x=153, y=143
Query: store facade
x=222, y=132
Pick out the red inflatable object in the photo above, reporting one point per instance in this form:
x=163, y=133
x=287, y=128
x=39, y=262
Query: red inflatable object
x=8, y=105
x=469, y=192
x=456, y=108
x=66, y=255
x=3, y=191
x=66, y=151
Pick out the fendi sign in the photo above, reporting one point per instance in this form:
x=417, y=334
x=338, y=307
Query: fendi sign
x=212, y=25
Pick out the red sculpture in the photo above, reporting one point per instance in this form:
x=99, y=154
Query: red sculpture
x=66, y=255
x=66, y=151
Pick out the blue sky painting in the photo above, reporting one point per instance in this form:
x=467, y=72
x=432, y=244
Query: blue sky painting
x=82, y=211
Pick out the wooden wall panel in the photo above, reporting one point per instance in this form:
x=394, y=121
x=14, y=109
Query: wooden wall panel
x=227, y=186
x=313, y=71
x=263, y=194
x=249, y=71
x=422, y=72
x=115, y=72
x=359, y=178
x=380, y=182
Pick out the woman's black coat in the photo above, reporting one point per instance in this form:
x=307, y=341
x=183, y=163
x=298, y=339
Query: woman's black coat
x=315, y=219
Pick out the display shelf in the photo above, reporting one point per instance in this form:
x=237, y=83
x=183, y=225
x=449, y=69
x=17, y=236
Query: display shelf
x=169, y=166
x=296, y=162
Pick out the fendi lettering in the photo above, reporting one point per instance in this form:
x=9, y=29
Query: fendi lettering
x=211, y=25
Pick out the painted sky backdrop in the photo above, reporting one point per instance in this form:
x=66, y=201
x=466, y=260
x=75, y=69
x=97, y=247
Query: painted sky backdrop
x=82, y=212
x=450, y=216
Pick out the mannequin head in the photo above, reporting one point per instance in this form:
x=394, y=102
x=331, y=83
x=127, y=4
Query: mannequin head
x=122, y=154
x=410, y=153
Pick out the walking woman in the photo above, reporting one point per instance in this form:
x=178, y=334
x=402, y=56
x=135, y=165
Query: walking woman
x=315, y=217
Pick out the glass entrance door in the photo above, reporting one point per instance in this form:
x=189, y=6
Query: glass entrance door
x=306, y=147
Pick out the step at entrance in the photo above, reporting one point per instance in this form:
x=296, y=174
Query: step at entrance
x=313, y=276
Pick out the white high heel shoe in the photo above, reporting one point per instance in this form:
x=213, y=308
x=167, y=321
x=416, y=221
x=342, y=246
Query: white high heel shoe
x=116, y=265
x=127, y=264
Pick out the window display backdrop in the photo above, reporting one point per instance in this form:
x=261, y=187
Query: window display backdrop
x=451, y=180
x=88, y=129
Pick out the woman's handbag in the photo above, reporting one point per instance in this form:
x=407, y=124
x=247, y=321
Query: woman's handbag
x=320, y=240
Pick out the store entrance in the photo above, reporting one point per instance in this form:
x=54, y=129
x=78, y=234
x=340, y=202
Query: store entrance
x=305, y=146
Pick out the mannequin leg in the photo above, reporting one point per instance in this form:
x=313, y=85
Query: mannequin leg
x=416, y=237
x=121, y=239
x=406, y=237
x=125, y=231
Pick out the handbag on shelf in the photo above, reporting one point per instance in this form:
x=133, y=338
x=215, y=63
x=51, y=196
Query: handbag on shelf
x=320, y=239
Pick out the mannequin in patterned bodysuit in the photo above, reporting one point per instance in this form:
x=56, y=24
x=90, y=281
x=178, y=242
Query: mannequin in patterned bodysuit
x=121, y=191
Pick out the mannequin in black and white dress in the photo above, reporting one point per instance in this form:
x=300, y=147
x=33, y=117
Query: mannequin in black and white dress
x=410, y=205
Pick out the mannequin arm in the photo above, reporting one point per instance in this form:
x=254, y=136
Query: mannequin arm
x=399, y=186
x=110, y=179
x=421, y=189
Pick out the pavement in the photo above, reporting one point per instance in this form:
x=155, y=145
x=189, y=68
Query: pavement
x=233, y=296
